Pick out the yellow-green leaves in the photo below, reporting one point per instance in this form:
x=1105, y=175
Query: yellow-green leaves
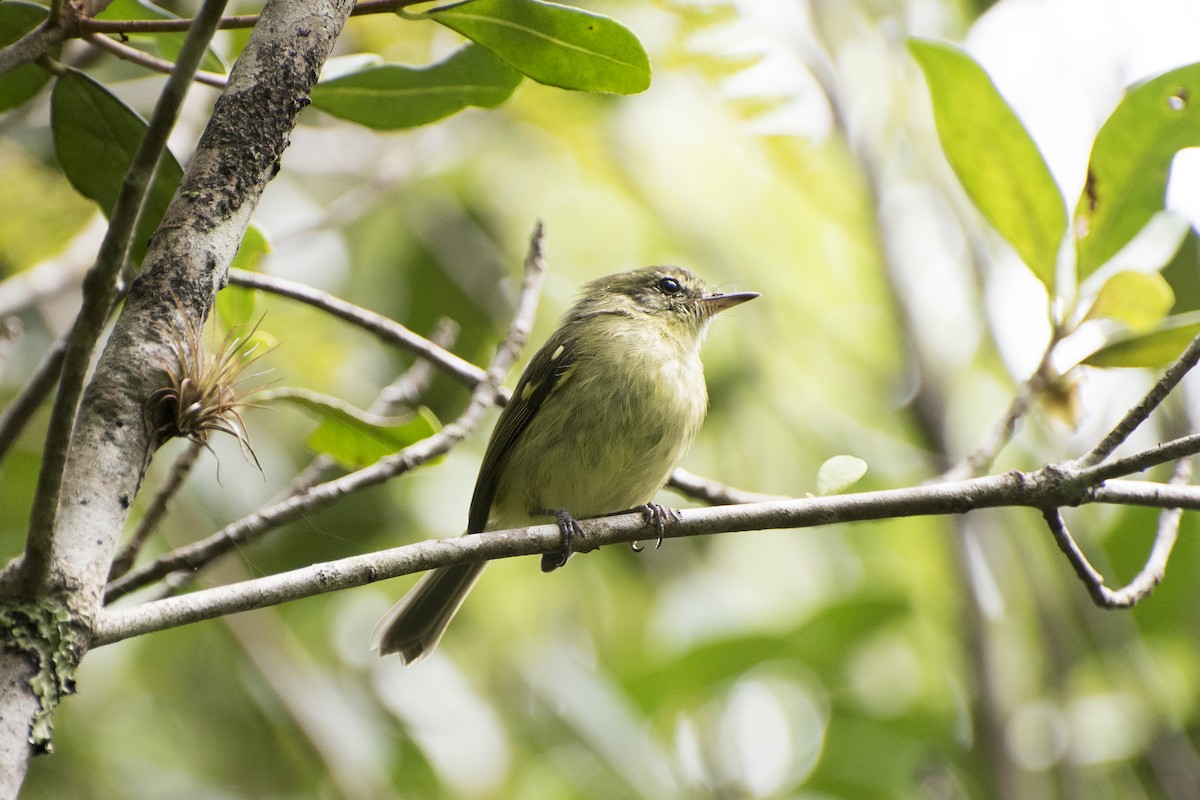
x=839, y=473
x=994, y=157
x=1130, y=161
x=554, y=44
x=1007, y=179
x=352, y=437
x=393, y=96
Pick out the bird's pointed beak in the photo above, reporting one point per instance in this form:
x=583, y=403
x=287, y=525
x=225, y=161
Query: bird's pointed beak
x=717, y=302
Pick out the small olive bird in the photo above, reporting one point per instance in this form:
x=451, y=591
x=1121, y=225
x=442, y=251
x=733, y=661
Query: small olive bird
x=595, y=425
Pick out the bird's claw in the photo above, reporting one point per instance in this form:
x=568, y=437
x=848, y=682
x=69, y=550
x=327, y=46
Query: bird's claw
x=568, y=529
x=656, y=515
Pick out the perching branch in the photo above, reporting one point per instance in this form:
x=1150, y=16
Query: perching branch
x=1041, y=489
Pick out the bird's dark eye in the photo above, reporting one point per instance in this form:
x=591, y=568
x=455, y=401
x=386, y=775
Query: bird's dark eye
x=669, y=286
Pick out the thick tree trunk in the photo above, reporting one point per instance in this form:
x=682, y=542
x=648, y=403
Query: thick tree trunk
x=184, y=267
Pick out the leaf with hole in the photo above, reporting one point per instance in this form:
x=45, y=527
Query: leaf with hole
x=1131, y=161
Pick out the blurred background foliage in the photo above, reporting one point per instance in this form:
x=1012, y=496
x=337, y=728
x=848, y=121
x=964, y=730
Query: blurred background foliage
x=784, y=147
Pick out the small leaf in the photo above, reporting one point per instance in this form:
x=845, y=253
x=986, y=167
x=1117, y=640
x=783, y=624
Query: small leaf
x=1182, y=274
x=253, y=249
x=237, y=305
x=95, y=138
x=1153, y=348
x=992, y=154
x=1139, y=299
x=1130, y=162
x=553, y=44
x=394, y=96
x=166, y=45
x=352, y=437
x=839, y=473
x=22, y=83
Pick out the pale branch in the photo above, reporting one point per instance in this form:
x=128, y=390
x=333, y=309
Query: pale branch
x=1151, y=573
x=100, y=289
x=386, y=329
x=193, y=556
x=135, y=56
x=1139, y=413
x=984, y=455
x=713, y=492
x=32, y=46
x=128, y=26
x=157, y=509
x=401, y=393
x=1139, y=462
x=18, y=413
x=1042, y=489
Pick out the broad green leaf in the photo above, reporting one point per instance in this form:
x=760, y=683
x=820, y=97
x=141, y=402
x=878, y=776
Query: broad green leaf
x=1131, y=158
x=992, y=154
x=1139, y=299
x=1182, y=274
x=839, y=473
x=95, y=138
x=393, y=96
x=553, y=44
x=22, y=83
x=1153, y=348
x=352, y=437
x=167, y=45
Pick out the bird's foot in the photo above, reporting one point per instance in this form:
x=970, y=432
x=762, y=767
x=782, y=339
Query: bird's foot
x=568, y=529
x=656, y=516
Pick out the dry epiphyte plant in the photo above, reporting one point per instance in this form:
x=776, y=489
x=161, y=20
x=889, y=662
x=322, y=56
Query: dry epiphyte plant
x=202, y=392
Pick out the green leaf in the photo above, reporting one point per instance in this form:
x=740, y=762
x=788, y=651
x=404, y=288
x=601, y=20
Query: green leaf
x=839, y=473
x=992, y=154
x=253, y=249
x=237, y=305
x=352, y=437
x=1139, y=299
x=1130, y=162
x=22, y=83
x=393, y=96
x=95, y=138
x=553, y=44
x=166, y=45
x=1154, y=348
x=1182, y=274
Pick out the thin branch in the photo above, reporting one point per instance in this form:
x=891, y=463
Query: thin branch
x=1138, y=414
x=712, y=492
x=22, y=408
x=386, y=329
x=981, y=459
x=100, y=289
x=228, y=23
x=1139, y=462
x=32, y=46
x=400, y=393
x=156, y=510
x=135, y=56
x=322, y=495
x=1151, y=573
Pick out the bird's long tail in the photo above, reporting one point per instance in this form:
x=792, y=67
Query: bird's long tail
x=415, y=625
